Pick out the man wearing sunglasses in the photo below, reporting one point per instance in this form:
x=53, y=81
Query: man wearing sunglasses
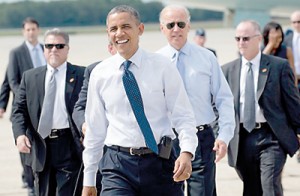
x=205, y=85
x=267, y=110
x=24, y=57
x=292, y=40
x=42, y=123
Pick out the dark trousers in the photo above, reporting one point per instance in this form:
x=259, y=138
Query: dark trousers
x=61, y=169
x=27, y=175
x=202, y=181
x=132, y=175
x=260, y=162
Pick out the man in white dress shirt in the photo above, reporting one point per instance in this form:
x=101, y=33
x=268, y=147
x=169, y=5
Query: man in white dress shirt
x=205, y=84
x=128, y=166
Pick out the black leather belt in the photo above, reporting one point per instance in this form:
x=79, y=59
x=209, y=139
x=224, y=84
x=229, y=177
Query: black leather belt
x=55, y=133
x=203, y=127
x=132, y=151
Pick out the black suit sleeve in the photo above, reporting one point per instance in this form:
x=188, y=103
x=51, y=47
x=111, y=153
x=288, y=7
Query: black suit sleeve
x=4, y=93
x=79, y=108
x=20, y=114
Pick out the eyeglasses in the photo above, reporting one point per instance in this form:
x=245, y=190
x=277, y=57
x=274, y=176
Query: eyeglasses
x=171, y=25
x=57, y=46
x=294, y=22
x=245, y=39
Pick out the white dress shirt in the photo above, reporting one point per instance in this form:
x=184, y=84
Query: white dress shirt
x=244, y=69
x=40, y=53
x=110, y=119
x=204, y=81
x=60, y=114
x=296, y=51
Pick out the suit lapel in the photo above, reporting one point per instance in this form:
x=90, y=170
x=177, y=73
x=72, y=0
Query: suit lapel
x=236, y=72
x=70, y=83
x=263, y=75
x=40, y=78
x=27, y=57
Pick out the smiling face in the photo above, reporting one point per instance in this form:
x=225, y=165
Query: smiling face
x=176, y=36
x=124, y=30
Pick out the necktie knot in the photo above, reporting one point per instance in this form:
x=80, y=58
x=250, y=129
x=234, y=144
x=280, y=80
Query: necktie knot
x=126, y=65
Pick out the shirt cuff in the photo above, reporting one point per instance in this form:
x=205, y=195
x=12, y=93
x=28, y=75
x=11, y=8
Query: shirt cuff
x=89, y=179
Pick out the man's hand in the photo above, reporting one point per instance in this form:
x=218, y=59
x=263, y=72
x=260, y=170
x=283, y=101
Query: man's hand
x=89, y=191
x=183, y=167
x=2, y=111
x=83, y=128
x=23, y=144
x=221, y=149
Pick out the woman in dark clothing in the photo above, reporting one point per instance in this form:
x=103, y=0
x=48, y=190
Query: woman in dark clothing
x=273, y=37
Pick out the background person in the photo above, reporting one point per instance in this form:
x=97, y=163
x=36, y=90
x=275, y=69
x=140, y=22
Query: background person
x=49, y=139
x=292, y=40
x=205, y=84
x=22, y=58
x=273, y=36
x=262, y=85
x=200, y=39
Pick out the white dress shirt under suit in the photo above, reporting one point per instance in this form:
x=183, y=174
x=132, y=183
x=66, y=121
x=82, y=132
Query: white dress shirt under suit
x=204, y=81
x=110, y=119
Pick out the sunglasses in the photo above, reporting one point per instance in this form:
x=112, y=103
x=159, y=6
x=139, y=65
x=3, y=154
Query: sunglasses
x=244, y=39
x=171, y=25
x=57, y=46
x=294, y=22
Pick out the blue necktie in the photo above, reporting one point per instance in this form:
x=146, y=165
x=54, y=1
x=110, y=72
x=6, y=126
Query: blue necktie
x=249, y=108
x=136, y=102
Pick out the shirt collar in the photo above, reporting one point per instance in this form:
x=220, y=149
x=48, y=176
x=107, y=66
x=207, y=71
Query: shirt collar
x=30, y=46
x=255, y=61
x=136, y=58
x=59, y=68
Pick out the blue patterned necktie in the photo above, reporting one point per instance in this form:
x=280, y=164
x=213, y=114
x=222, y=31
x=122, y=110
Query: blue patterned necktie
x=249, y=105
x=136, y=102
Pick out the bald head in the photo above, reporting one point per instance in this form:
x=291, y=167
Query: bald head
x=295, y=20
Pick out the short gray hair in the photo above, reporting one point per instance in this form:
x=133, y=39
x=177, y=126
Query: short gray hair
x=57, y=32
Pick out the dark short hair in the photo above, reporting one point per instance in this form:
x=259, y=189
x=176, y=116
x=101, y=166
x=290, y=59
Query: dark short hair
x=200, y=32
x=127, y=9
x=30, y=20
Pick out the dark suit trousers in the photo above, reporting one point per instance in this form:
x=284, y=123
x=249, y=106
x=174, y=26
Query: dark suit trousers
x=61, y=169
x=132, y=175
x=202, y=181
x=260, y=162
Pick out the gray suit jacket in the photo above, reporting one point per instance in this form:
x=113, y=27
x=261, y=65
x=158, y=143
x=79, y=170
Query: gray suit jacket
x=28, y=106
x=277, y=96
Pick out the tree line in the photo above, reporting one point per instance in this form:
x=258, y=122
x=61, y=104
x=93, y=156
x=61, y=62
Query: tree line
x=83, y=12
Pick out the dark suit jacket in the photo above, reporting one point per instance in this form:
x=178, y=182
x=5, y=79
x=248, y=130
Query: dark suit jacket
x=79, y=109
x=19, y=62
x=277, y=96
x=28, y=106
x=4, y=93
x=288, y=40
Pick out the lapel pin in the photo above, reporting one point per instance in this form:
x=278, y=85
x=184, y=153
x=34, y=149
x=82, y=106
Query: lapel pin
x=264, y=70
x=72, y=80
